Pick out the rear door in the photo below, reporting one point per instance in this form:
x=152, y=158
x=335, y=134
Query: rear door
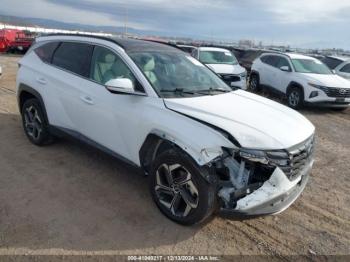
x=68, y=76
x=267, y=70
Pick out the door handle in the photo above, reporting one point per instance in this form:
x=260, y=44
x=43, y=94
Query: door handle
x=87, y=99
x=41, y=80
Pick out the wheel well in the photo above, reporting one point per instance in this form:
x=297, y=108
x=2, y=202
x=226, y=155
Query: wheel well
x=254, y=73
x=294, y=85
x=151, y=148
x=24, y=96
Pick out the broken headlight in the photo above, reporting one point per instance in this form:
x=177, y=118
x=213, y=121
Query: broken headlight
x=273, y=158
x=254, y=155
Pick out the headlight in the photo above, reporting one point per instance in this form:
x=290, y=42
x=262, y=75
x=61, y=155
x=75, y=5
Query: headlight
x=254, y=155
x=316, y=86
x=273, y=158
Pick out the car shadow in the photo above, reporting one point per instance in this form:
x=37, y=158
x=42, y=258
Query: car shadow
x=73, y=197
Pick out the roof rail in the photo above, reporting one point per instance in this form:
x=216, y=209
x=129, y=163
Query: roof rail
x=110, y=39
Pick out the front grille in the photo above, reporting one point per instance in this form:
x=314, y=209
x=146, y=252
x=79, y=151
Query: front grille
x=293, y=162
x=230, y=78
x=336, y=92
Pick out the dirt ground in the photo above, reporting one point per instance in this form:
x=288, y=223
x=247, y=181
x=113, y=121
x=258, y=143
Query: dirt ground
x=71, y=199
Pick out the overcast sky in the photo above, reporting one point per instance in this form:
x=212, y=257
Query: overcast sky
x=305, y=23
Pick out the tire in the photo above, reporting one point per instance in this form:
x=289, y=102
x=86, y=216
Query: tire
x=34, y=123
x=295, y=98
x=179, y=189
x=254, y=83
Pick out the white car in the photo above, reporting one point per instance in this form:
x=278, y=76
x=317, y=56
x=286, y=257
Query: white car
x=343, y=69
x=302, y=79
x=224, y=63
x=203, y=146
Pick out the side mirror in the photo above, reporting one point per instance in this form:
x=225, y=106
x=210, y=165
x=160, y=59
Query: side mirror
x=120, y=85
x=285, y=68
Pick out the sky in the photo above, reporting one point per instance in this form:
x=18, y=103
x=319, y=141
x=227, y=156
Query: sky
x=299, y=23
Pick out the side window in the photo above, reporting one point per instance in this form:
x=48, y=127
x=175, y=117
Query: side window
x=282, y=62
x=195, y=53
x=46, y=51
x=107, y=65
x=270, y=60
x=74, y=57
x=345, y=69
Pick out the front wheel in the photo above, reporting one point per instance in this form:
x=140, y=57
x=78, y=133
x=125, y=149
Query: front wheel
x=295, y=98
x=179, y=190
x=254, y=83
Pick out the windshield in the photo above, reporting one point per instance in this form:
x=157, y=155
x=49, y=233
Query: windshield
x=174, y=74
x=217, y=57
x=311, y=66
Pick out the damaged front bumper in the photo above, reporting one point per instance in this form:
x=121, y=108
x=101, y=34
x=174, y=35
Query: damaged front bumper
x=274, y=196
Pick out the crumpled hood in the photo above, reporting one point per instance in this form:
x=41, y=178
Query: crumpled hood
x=226, y=69
x=255, y=122
x=328, y=80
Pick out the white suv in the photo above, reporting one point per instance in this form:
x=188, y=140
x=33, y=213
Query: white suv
x=224, y=63
x=302, y=79
x=204, y=146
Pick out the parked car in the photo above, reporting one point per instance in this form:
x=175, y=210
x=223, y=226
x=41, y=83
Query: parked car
x=224, y=63
x=15, y=41
x=343, y=69
x=302, y=79
x=187, y=48
x=333, y=61
x=248, y=56
x=204, y=146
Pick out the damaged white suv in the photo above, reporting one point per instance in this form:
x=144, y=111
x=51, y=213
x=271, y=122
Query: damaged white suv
x=204, y=146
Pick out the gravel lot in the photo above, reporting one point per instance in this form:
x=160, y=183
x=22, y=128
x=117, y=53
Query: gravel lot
x=71, y=199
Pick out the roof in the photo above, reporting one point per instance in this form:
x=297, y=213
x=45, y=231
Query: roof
x=129, y=45
x=290, y=55
x=213, y=49
x=341, y=58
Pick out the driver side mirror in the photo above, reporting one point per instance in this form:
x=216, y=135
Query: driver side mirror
x=120, y=85
x=285, y=68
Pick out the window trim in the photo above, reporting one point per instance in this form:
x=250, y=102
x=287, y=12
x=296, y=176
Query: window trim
x=137, y=93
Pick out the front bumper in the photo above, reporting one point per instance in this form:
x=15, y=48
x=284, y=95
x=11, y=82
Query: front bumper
x=240, y=84
x=274, y=196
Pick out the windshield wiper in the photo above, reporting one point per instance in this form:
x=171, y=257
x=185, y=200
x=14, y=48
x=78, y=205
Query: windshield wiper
x=176, y=90
x=210, y=90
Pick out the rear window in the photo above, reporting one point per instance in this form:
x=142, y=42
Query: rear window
x=45, y=51
x=74, y=57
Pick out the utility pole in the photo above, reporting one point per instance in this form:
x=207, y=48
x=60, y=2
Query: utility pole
x=126, y=21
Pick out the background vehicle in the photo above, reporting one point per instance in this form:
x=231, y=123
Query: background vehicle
x=343, y=69
x=302, y=79
x=129, y=98
x=224, y=63
x=187, y=48
x=333, y=61
x=13, y=40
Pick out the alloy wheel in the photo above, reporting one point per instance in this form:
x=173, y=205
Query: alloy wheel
x=32, y=122
x=294, y=98
x=175, y=189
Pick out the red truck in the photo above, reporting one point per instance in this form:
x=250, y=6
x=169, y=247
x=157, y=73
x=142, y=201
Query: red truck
x=15, y=41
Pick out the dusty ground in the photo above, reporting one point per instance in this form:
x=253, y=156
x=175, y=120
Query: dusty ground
x=71, y=199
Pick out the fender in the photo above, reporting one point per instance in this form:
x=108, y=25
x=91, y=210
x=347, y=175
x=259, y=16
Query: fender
x=25, y=88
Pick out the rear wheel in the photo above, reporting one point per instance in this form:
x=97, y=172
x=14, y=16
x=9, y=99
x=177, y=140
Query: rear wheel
x=254, y=83
x=34, y=123
x=179, y=190
x=295, y=97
